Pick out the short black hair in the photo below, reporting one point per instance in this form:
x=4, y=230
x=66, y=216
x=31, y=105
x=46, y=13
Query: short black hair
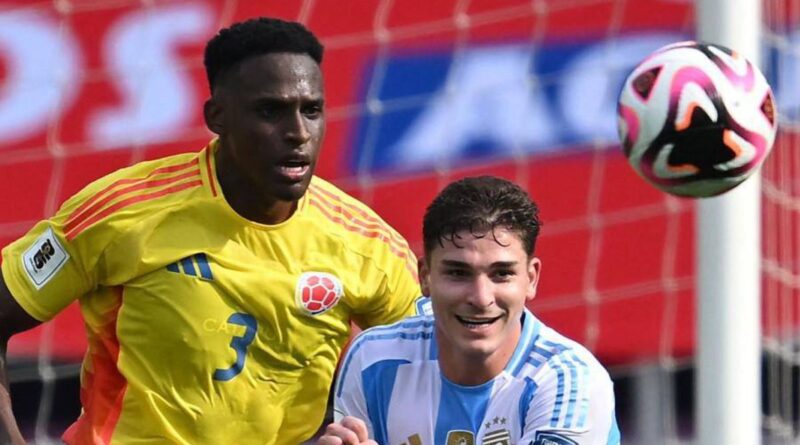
x=480, y=205
x=254, y=37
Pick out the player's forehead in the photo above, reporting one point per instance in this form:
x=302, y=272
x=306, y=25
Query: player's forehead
x=479, y=249
x=275, y=75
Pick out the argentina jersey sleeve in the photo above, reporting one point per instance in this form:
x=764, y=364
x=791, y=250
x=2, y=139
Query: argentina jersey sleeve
x=385, y=380
x=573, y=403
x=348, y=397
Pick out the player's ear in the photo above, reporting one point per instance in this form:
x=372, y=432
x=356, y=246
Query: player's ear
x=534, y=270
x=213, y=114
x=424, y=276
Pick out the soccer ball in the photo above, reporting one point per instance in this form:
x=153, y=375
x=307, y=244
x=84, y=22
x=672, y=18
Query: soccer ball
x=696, y=119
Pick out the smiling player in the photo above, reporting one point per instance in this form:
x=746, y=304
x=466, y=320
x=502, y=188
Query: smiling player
x=482, y=369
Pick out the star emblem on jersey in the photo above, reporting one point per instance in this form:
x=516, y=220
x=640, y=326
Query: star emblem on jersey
x=495, y=421
x=317, y=292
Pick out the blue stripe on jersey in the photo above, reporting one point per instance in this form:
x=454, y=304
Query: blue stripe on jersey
x=546, y=354
x=173, y=267
x=525, y=402
x=553, y=344
x=530, y=330
x=202, y=263
x=188, y=266
x=613, y=433
x=568, y=361
x=584, y=409
x=408, y=323
x=378, y=382
x=556, y=355
x=559, y=393
x=574, y=383
x=385, y=333
x=461, y=408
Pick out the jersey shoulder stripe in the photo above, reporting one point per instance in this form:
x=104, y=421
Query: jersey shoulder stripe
x=409, y=328
x=347, y=205
x=142, y=182
x=573, y=370
x=355, y=217
x=120, y=185
x=339, y=202
x=531, y=328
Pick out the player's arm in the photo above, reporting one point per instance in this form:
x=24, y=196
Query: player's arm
x=573, y=404
x=13, y=319
x=41, y=275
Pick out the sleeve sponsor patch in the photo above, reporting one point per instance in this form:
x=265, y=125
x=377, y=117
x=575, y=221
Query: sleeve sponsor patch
x=551, y=438
x=44, y=258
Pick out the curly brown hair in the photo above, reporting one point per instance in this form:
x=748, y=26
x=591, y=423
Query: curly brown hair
x=480, y=205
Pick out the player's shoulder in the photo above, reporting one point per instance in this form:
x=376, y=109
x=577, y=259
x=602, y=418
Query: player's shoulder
x=146, y=181
x=145, y=178
x=324, y=190
x=341, y=210
x=554, y=354
x=408, y=339
x=164, y=168
x=355, y=228
x=128, y=195
x=572, y=393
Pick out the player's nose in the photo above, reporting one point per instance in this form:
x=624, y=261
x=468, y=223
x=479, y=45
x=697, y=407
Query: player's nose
x=482, y=292
x=296, y=129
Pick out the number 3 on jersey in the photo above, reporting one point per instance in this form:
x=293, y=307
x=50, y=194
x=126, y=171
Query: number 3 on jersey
x=239, y=344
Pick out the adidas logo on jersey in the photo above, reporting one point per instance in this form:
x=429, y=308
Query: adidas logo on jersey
x=195, y=266
x=317, y=292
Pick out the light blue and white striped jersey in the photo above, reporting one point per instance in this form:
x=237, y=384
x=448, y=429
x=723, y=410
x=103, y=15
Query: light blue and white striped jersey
x=552, y=391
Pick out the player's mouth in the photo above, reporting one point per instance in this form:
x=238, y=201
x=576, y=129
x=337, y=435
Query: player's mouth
x=477, y=323
x=294, y=169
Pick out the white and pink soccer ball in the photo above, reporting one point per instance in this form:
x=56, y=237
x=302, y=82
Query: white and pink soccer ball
x=696, y=119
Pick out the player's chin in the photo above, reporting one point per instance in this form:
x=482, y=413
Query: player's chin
x=479, y=348
x=292, y=191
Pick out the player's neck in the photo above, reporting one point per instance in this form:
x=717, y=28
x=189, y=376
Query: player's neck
x=472, y=370
x=247, y=200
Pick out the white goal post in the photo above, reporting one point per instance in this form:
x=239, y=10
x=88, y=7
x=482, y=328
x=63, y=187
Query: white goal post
x=728, y=246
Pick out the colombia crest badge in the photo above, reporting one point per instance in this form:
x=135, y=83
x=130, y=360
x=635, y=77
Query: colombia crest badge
x=317, y=292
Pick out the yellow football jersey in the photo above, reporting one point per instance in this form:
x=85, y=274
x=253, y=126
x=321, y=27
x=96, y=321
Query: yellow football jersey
x=205, y=327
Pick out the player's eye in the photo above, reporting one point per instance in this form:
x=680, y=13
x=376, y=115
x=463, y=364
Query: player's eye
x=456, y=273
x=267, y=110
x=313, y=111
x=504, y=274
